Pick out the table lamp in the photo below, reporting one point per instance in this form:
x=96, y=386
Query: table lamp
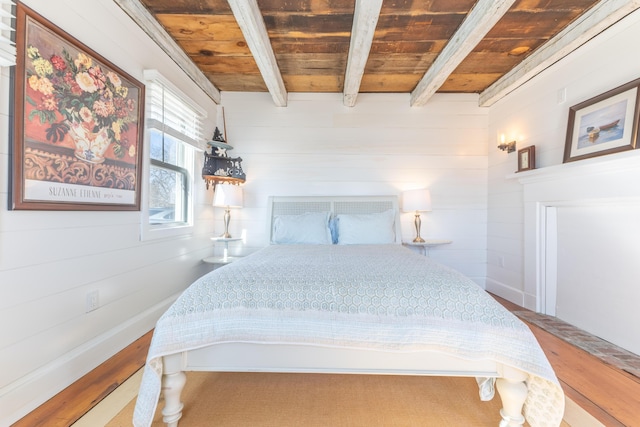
x=417, y=201
x=227, y=196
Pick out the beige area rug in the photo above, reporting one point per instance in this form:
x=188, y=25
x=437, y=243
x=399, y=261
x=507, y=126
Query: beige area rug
x=327, y=400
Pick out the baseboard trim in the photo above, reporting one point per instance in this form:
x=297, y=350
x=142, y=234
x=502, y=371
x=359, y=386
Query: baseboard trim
x=503, y=291
x=26, y=394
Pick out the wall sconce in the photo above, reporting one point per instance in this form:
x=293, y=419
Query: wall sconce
x=509, y=147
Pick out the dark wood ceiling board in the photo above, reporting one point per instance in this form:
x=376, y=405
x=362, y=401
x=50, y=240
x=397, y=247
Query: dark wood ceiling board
x=417, y=27
x=543, y=24
x=214, y=48
x=542, y=5
x=317, y=83
x=468, y=83
x=372, y=83
x=311, y=63
x=508, y=45
x=486, y=62
x=322, y=46
x=237, y=83
x=216, y=7
x=300, y=37
x=201, y=27
x=415, y=7
x=282, y=25
x=307, y=6
x=399, y=63
x=228, y=64
x=431, y=46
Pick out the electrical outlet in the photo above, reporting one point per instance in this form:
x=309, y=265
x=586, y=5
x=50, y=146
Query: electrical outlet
x=501, y=261
x=92, y=302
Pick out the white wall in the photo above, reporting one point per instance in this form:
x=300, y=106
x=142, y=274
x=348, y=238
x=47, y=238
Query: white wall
x=317, y=146
x=534, y=115
x=598, y=275
x=50, y=260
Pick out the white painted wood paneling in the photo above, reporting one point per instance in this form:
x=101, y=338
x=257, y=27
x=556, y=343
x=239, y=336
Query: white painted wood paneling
x=534, y=115
x=50, y=260
x=597, y=274
x=317, y=146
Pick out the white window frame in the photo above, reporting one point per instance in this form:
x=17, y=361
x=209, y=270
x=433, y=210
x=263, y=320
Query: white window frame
x=7, y=45
x=159, y=231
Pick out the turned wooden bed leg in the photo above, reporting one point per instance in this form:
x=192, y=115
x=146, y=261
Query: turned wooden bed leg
x=513, y=392
x=173, y=381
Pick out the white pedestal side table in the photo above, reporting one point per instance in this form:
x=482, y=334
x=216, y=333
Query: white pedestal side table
x=428, y=244
x=225, y=258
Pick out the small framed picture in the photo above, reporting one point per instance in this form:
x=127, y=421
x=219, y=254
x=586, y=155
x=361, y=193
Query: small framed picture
x=527, y=158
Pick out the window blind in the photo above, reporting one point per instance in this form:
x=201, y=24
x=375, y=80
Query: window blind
x=7, y=46
x=171, y=112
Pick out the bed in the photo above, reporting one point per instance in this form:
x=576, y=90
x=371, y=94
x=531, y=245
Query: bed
x=336, y=292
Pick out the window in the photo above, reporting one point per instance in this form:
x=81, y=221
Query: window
x=174, y=134
x=7, y=46
x=169, y=180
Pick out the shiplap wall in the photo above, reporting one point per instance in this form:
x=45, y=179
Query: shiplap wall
x=317, y=146
x=535, y=115
x=50, y=260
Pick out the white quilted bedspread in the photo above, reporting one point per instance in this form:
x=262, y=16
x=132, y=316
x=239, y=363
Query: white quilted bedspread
x=361, y=296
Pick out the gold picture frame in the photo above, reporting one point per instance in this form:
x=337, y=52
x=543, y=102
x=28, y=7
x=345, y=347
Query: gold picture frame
x=77, y=136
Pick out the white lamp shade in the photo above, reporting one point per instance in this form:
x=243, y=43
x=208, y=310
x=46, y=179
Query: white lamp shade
x=416, y=200
x=228, y=195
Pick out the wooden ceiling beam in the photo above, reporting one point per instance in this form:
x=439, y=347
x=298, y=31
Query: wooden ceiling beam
x=480, y=20
x=585, y=27
x=148, y=23
x=249, y=18
x=365, y=19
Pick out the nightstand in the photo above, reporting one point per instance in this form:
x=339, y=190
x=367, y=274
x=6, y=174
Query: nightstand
x=428, y=244
x=225, y=258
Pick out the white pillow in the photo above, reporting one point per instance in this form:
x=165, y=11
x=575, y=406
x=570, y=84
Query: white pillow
x=359, y=229
x=307, y=228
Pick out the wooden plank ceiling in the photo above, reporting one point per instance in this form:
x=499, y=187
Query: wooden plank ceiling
x=311, y=41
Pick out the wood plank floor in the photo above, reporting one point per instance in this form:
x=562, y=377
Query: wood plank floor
x=610, y=395
x=69, y=405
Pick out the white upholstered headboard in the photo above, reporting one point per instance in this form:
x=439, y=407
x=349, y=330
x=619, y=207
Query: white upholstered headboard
x=295, y=205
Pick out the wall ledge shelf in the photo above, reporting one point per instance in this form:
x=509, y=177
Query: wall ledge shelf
x=618, y=162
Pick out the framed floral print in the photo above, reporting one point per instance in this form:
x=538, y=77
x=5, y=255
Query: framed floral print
x=77, y=137
x=605, y=124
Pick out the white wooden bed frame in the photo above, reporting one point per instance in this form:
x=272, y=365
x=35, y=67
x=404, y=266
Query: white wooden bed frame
x=248, y=357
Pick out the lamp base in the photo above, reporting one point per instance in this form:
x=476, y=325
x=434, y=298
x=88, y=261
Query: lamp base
x=227, y=217
x=418, y=223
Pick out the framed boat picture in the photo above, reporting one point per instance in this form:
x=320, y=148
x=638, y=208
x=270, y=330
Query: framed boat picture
x=77, y=136
x=605, y=124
